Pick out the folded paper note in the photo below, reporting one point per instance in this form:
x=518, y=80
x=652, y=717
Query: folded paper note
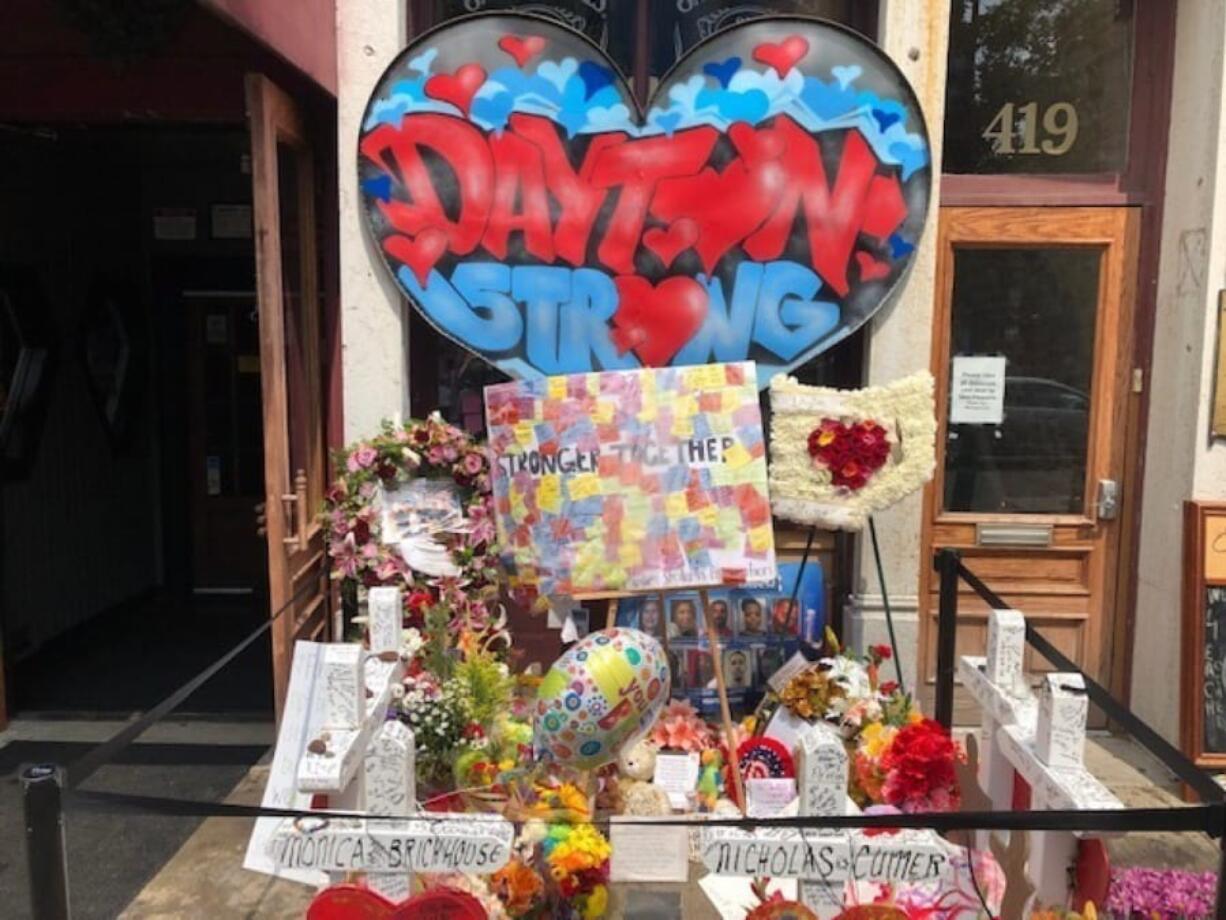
x=839, y=455
x=632, y=480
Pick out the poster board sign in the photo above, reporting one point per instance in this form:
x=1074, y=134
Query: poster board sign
x=625, y=481
x=1203, y=646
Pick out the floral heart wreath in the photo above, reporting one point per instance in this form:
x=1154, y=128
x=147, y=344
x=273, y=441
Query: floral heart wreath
x=839, y=455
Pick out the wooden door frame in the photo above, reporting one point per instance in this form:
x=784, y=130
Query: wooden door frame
x=1015, y=227
x=275, y=119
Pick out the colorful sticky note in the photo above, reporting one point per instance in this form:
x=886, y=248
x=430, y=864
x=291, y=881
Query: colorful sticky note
x=737, y=456
x=549, y=493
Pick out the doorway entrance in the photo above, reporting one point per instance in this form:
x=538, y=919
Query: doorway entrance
x=1032, y=355
x=132, y=556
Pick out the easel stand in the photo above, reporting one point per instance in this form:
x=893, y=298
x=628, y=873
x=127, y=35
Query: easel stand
x=725, y=711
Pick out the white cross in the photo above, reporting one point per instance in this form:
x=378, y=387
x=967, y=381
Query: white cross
x=335, y=739
x=1043, y=740
x=825, y=860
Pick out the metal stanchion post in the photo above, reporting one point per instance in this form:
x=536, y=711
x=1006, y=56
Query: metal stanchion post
x=41, y=786
x=946, y=563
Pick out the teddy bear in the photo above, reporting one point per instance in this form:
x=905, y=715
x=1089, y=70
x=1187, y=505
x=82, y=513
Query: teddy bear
x=636, y=765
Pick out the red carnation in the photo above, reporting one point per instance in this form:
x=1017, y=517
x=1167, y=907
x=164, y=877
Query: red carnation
x=919, y=769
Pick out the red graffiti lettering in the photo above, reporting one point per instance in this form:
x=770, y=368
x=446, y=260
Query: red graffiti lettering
x=524, y=180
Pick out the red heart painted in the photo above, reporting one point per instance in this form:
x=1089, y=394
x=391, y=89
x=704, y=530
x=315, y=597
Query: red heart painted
x=419, y=252
x=782, y=56
x=457, y=88
x=668, y=244
x=656, y=322
x=522, y=47
x=352, y=902
x=870, y=268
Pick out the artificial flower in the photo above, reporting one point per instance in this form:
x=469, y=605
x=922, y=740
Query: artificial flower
x=518, y=886
x=919, y=769
x=680, y=728
x=810, y=693
x=1165, y=894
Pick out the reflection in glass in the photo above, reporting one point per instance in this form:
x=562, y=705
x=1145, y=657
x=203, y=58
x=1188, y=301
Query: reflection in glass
x=297, y=411
x=1037, y=308
x=678, y=25
x=1040, y=86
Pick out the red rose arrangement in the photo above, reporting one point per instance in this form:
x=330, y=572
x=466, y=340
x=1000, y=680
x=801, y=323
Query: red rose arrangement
x=852, y=453
x=919, y=769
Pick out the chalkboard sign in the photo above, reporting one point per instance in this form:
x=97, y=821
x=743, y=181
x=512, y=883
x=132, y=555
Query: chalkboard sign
x=1203, y=658
x=1213, y=666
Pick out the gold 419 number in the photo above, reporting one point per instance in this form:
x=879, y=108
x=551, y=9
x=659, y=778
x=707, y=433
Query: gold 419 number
x=1021, y=123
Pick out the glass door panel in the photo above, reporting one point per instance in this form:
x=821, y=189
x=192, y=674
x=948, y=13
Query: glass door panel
x=1034, y=311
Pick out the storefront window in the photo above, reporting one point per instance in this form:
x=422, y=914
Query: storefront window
x=1038, y=86
x=678, y=25
x=603, y=21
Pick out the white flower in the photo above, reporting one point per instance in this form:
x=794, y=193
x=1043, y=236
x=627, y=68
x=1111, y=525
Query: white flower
x=850, y=674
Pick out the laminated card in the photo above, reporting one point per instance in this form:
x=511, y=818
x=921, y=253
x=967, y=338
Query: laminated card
x=632, y=480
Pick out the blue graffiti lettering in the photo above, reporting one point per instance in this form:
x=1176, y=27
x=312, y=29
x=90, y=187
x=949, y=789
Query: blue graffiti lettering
x=558, y=319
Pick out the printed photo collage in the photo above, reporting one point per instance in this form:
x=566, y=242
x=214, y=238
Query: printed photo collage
x=758, y=628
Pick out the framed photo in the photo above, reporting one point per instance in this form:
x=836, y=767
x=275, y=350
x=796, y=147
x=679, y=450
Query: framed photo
x=676, y=665
x=651, y=616
x=684, y=620
x=752, y=620
x=739, y=671
x=721, y=616
x=1203, y=647
x=785, y=617
x=700, y=669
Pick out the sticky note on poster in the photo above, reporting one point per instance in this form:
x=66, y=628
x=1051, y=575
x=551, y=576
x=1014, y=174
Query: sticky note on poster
x=573, y=520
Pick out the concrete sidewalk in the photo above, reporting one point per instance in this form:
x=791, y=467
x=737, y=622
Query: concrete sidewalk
x=205, y=878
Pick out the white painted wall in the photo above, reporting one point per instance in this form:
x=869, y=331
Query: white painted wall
x=374, y=316
x=916, y=36
x=1180, y=462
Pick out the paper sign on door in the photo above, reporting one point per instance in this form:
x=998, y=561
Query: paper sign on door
x=977, y=390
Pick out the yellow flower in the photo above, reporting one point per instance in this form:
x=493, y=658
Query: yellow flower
x=875, y=739
x=597, y=903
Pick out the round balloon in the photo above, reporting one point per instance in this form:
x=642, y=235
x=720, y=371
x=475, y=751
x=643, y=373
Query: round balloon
x=607, y=689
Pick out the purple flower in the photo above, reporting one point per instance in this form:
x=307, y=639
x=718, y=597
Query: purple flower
x=362, y=458
x=1168, y=894
x=472, y=464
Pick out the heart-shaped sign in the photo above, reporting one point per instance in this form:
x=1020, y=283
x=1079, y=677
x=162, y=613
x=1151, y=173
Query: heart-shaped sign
x=764, y=207
x=353, y=902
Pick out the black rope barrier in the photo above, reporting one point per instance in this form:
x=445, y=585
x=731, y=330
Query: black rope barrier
x=1173, y=758
x=1209, y=819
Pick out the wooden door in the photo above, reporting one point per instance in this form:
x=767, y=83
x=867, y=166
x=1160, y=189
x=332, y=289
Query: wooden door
x=1032, y=352
x=283, y=182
